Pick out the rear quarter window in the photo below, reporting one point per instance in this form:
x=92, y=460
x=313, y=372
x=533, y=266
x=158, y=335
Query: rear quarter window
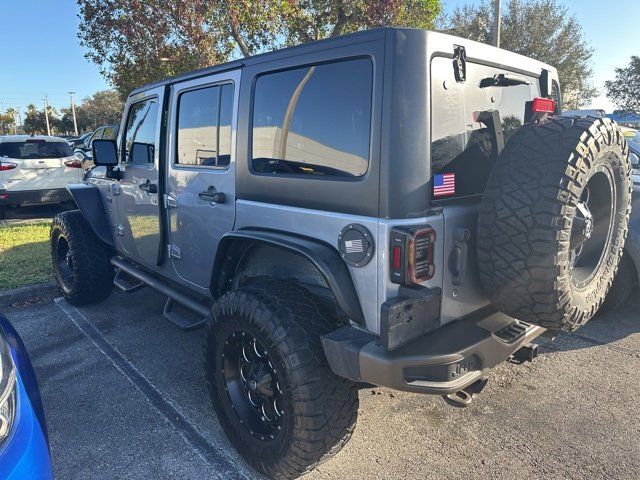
x=313, y=120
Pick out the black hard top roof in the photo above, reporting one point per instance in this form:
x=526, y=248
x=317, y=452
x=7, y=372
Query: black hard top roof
x=357, y=37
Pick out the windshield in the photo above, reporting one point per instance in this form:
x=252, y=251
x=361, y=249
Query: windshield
x=35, y=149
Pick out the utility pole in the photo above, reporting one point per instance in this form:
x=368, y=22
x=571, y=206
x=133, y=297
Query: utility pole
x=73, y=112
x=46, y=115
x=497, y=22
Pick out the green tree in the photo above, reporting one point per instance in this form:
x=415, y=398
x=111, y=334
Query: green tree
x=7, y=121
x=139, y=42
x=36, y=123
x=541, y=29
x=624, y=91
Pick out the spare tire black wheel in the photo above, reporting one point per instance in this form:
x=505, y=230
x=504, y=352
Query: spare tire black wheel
x=553, y=220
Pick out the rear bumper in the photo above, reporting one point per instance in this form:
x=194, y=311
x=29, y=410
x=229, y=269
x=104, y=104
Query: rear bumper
x=16, y=198
x=444, y=361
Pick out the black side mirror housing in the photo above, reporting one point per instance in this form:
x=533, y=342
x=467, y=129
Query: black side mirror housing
x=105, y=153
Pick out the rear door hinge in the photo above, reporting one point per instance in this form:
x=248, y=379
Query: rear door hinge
x=174, y=252
x=170, y=201
x=460, y=63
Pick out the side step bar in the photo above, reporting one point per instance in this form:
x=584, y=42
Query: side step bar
x=174, y=295
x=126, y=283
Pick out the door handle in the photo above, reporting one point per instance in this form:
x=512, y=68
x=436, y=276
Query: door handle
x=149, y=187
x=211, y=195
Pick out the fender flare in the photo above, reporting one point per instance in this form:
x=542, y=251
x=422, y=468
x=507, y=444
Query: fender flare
x=322, y=255
x=90, y=203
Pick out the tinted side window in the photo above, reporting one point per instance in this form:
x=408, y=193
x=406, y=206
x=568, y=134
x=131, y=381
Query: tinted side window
x=314, y=120
x=97, y=135
x=204, y=127
x=110, y=133
x=140, y=135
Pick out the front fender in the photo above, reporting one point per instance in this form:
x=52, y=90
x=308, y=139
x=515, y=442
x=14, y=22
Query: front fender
x=324, y=257
x=89, y=200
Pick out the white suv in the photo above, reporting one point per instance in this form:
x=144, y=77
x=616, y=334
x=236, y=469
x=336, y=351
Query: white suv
x=35, y=170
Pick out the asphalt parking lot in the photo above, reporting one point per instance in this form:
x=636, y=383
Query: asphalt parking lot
x=125, y=398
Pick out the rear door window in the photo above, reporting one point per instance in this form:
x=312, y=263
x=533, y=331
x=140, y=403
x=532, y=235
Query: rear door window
x=463, y=139
x=204, y=127
x=313, y=120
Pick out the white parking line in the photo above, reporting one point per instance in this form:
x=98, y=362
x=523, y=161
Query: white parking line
x=163, y=405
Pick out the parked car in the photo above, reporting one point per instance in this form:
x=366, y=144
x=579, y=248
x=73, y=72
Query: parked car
x=633, y=139
x=594, y=112
x=24, y=446
x=83, y=150
x=35, y=170
x=77, y=141
x=625, y=118
x=396, y=207
x=628, y=276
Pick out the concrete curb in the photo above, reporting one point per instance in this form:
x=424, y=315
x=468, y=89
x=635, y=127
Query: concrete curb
x=24, y=293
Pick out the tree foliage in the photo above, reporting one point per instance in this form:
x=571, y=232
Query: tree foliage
x=135, y=41
x=7, y=121
x=36, y=123
x=624, y=91
x=102, y=108
x=541, y=29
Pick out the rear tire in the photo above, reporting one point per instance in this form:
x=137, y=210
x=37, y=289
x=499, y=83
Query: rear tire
x=3, y=212
x=553, y=220
x=81, y=261
x=316, y=410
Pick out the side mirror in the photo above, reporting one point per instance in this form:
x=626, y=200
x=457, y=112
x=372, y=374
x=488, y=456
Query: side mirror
x=105, y=153
x=79, y=154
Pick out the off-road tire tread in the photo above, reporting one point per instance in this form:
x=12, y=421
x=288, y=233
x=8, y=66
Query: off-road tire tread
x=326, y=405
x=92, y=270
x=525, y=218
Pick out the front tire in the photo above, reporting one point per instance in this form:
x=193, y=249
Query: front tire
x=275, y=395
x=81, y=261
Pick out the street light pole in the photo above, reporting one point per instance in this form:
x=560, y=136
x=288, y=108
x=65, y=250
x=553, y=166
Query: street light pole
x=497, y=22
x=46, y=115
x=73, y=112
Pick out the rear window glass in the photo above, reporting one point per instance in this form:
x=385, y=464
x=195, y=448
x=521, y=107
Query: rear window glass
x=463, y=139
x=314, y=120
x=35, y=149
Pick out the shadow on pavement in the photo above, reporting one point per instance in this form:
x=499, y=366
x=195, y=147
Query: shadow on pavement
x=612, y=329
x=36, y=212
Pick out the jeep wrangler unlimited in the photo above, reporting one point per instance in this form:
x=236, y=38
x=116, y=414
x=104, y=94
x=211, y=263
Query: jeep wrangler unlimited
x=395, y=207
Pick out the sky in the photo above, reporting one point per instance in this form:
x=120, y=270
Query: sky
x=40, y=54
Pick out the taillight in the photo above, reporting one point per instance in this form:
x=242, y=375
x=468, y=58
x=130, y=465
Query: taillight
x=73, y=163
x=4, y=166
x=412, y=254
x=543, y=105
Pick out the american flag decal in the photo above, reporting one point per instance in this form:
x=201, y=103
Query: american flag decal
x=444, y=184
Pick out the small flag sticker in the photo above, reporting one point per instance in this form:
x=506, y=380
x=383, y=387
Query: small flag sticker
x=444, y=184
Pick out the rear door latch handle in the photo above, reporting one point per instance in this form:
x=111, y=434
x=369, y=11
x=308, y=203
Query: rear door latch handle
x=149, y=187
x=211, y=195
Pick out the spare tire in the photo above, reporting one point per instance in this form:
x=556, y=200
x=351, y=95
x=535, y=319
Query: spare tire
x=553, y=220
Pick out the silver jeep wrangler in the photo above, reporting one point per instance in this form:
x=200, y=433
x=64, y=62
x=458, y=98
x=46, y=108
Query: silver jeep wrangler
x=393, y=207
